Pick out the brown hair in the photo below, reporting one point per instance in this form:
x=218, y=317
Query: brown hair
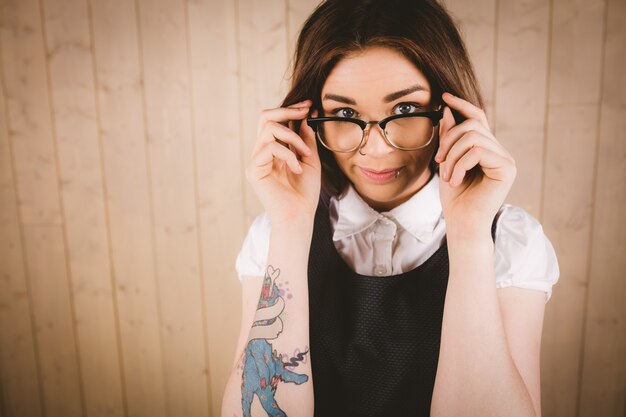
x=421, y=30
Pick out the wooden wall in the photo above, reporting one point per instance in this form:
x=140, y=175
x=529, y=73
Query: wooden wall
x=125, y=129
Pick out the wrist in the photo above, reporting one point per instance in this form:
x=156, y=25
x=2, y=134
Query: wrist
x=468, y=226
x=469, y=234
x=301, y=226
x=299, y=220
x=470, y=252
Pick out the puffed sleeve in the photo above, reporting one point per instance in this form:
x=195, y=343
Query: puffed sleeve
x=524, y=256
x=253, y=254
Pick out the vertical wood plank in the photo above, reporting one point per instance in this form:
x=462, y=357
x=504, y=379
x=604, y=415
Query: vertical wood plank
x=603, y=384
x=47, y=269
x=574, y=90
x=477, y=23
x=32, y=141
x=28, y=112
x=263, y=68
x=220, y=178
x=123, y=140
x=70, y=61
x=521, y=86
x=19, y=376
x=172, y=173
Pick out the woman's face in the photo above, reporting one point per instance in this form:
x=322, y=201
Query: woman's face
x=358, y=87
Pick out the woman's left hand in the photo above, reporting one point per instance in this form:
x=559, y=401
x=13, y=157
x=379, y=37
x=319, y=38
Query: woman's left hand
x=476, y=172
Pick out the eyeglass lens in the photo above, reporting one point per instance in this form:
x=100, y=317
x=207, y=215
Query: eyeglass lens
x=406, y=132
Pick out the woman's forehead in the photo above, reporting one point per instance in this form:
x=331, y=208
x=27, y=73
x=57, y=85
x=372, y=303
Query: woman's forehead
x=374, y=73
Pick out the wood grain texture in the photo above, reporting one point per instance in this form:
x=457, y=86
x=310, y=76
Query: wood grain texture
x=520, y=95
x=212, y=33
x=29, y=118
x=119, y=81
x=603, y=378
x=477, y=22
x=167, y=106
x=19, y=365
x=53, y=311
x=72, y=90
x=572, y=117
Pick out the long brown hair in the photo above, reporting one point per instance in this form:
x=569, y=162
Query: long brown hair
x=421, y=30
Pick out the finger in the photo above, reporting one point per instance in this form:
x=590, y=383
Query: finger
x=447, y=122
x=447, y=141
x=466, y=108
x=468, y=141
x=308, y=136
x=493, y=165
x=282, y=114
x=305, y=102
x=263, y=162
x=275, y=132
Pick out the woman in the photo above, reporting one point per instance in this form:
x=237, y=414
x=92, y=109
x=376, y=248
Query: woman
x=387, y=276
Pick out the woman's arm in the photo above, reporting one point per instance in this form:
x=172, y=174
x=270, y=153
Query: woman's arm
x=476, y=375
x=261, y=384
x=274, y=377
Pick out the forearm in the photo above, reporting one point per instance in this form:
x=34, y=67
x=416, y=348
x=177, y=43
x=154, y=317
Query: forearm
x=476, y=375
x=281, y=328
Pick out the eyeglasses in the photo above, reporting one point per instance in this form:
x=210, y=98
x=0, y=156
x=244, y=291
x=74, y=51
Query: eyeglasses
x=407, y=132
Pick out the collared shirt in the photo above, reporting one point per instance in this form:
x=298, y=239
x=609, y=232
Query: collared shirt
x=392, y=242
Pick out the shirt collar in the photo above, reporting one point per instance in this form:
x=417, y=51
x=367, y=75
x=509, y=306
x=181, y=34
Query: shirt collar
x=418, y=215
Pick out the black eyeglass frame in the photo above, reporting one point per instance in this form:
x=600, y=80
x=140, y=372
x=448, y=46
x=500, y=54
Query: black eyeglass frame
x=435, y=117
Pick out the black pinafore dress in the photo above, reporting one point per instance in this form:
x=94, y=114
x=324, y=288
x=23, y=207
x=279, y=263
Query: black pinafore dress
x=374, y=340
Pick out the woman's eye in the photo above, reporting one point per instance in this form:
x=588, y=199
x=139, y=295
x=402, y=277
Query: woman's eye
x=405, y=108
x=345, y=112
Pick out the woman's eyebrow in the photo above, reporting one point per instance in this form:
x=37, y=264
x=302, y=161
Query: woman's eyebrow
x=336, y=97
x=401, y=93
x=388, y=98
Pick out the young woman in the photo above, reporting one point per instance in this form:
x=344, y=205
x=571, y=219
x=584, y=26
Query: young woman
x=386, y=275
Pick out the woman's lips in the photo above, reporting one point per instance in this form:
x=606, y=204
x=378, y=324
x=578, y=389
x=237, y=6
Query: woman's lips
x=380, y=176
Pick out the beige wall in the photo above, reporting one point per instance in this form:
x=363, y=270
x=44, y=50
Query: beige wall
x=125, y=128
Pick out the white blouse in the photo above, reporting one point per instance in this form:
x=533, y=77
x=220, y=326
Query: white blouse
x=399, y=240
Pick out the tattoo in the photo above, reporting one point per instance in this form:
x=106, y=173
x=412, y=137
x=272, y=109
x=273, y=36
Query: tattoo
x=293, y=362
x=263, y=367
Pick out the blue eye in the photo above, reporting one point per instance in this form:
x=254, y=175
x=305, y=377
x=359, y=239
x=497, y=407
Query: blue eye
x=344, y=112
x=408, y=108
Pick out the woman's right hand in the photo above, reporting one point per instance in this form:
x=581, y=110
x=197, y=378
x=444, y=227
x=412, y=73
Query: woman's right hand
x=286, y=192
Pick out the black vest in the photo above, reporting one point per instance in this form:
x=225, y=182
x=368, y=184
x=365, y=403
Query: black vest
x=374, y=340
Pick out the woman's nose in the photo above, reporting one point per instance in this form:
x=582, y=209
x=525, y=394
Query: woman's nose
x=374, y=142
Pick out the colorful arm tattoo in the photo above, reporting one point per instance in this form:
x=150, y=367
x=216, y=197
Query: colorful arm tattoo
x=263, y=368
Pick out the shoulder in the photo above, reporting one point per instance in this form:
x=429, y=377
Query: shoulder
x=524, y=256
x=253, y=254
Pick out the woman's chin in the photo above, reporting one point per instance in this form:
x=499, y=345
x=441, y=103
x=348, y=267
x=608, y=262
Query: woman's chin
x=388, y=194
x=380, y=197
